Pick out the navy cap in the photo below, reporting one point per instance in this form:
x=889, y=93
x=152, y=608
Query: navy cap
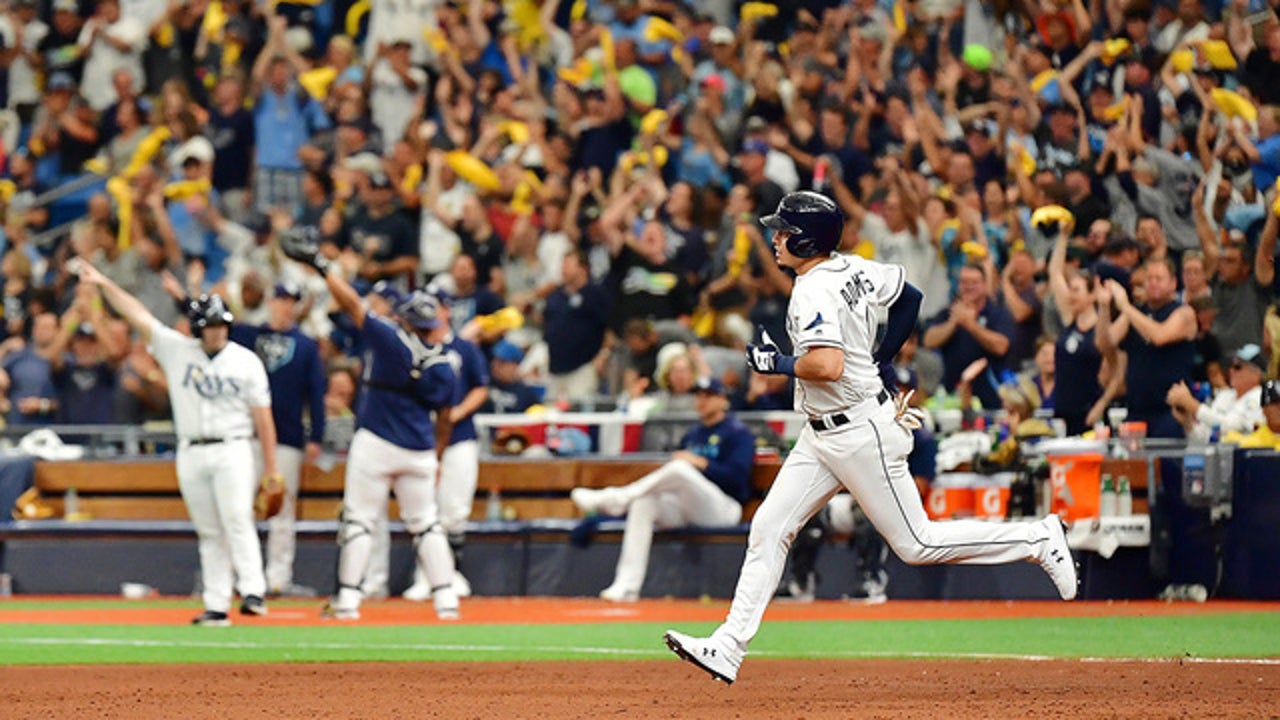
x=388, y=292
x=507, y=351
x=289, y=290
x=710, y=385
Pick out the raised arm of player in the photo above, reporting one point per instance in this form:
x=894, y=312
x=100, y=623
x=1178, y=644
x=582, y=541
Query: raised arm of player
x=346, y=297
x=129, y=307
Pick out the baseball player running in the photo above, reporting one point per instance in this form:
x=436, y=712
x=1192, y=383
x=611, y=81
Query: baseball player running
x=855, y=437
x=296, y=376
x=407, y=380
x=220, y=397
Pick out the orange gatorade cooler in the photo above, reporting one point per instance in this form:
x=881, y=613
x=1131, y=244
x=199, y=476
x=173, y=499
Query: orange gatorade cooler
x=1074, y=481
x=950, y=495
x=991, y=496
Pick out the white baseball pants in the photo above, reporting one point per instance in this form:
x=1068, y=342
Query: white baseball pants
x=219, y=486
x=675, y=495
x=869, y=457
x=374, y=467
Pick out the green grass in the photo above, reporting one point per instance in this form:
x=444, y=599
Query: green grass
x=1210, y=636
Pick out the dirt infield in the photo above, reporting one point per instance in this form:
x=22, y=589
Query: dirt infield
x=649, y=689
x=665, y=688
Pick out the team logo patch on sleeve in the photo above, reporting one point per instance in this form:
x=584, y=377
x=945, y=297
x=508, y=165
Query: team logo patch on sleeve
x=817, y=320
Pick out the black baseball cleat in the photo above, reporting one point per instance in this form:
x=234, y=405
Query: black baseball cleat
x=253, y=605
x=211, y=618
x=707, y=653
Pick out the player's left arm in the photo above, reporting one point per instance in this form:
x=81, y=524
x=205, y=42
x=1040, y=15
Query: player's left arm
x=317, y=384
x=265, y=427
x=474, y=375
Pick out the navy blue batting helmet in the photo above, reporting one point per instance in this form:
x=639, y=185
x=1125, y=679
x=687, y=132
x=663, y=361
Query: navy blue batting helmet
x=813, y=221
x=208, y=310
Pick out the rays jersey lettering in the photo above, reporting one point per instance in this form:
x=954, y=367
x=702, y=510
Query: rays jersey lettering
x=710, y=449
x=211, y=396
x=209, y=385
x=275, y=350
x=836, y=304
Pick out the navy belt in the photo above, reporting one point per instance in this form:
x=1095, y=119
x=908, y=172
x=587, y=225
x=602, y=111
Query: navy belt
x=835, y=420
x=211, y=440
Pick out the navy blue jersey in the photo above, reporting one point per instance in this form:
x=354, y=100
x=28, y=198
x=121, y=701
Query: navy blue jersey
x=513, y=398
x=730, y=450
x=574, y=326
x=404, y=384
x=472, y=369
x=296, y=377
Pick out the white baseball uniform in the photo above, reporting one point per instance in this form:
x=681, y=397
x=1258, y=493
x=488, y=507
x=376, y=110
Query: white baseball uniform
x=211, y=399
x=853, y=440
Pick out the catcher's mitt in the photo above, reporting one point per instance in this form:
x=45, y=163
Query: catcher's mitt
x=270, y=495
x=303, y=245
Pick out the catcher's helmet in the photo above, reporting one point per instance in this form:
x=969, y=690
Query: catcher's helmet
x=814, y=222
x=421, y=310
x=207, y=310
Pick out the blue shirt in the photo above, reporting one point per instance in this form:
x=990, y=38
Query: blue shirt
x=403, y=387
x=730, y=450
x=29, y=376
x=472, y=369
x=574, y=326
x=296, y=377
x=282, y=123
x=1267, y=169
x=962, y=349
x=514, y=398
x=86, y=393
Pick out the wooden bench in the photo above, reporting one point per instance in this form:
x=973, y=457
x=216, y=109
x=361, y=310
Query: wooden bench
x=148, y=489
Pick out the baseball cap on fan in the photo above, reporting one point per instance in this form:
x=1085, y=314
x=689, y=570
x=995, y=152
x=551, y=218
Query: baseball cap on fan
x=710, y=385
x=720, y=35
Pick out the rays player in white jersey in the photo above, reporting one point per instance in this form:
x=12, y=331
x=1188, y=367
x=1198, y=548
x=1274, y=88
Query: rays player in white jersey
x=856, y=438
x=220, y=399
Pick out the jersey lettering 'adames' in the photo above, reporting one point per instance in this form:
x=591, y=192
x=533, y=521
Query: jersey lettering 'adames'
x=211, y=396
x=834, y=305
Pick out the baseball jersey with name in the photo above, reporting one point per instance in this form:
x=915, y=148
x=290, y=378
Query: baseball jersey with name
x=860, y=286
x=211, y=396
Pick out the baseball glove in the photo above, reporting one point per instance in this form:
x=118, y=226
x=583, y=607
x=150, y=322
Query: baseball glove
x=303, y=245
x=270, y=495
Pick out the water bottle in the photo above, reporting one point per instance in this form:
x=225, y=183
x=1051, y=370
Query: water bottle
x=1124, y=498
x=1107, y=504
x=493, y=506
x=70, y=503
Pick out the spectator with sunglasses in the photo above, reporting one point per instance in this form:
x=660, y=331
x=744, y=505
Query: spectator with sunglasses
x=1236, y=408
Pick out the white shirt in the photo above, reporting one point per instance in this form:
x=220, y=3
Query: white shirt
x=104, y=59
x=916, y=253
x=211, y=397
x=22, y=76
x=438, y=244
x=391, y=20
x=391, y=102
x=1230, y=413
x=835, y=304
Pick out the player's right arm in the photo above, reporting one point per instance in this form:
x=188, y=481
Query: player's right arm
x=347, y=298
x=129, y=307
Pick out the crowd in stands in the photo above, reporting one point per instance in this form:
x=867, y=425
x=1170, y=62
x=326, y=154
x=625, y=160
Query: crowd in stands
x=580, y=180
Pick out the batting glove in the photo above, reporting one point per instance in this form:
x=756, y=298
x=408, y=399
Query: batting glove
x=766, y=359
x=911, y=418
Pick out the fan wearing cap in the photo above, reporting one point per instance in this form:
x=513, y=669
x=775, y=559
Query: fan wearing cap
x=85, y=363
x=704, y=483
x=220, y=399
x=110, y=41
x=409, y=390
x=397, y=88
x=1235, y=408
x=296, y=378
x=379, y=241
x=508, y=393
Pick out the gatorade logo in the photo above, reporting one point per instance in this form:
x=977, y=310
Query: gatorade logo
x=937, y=501
x=989, y=502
